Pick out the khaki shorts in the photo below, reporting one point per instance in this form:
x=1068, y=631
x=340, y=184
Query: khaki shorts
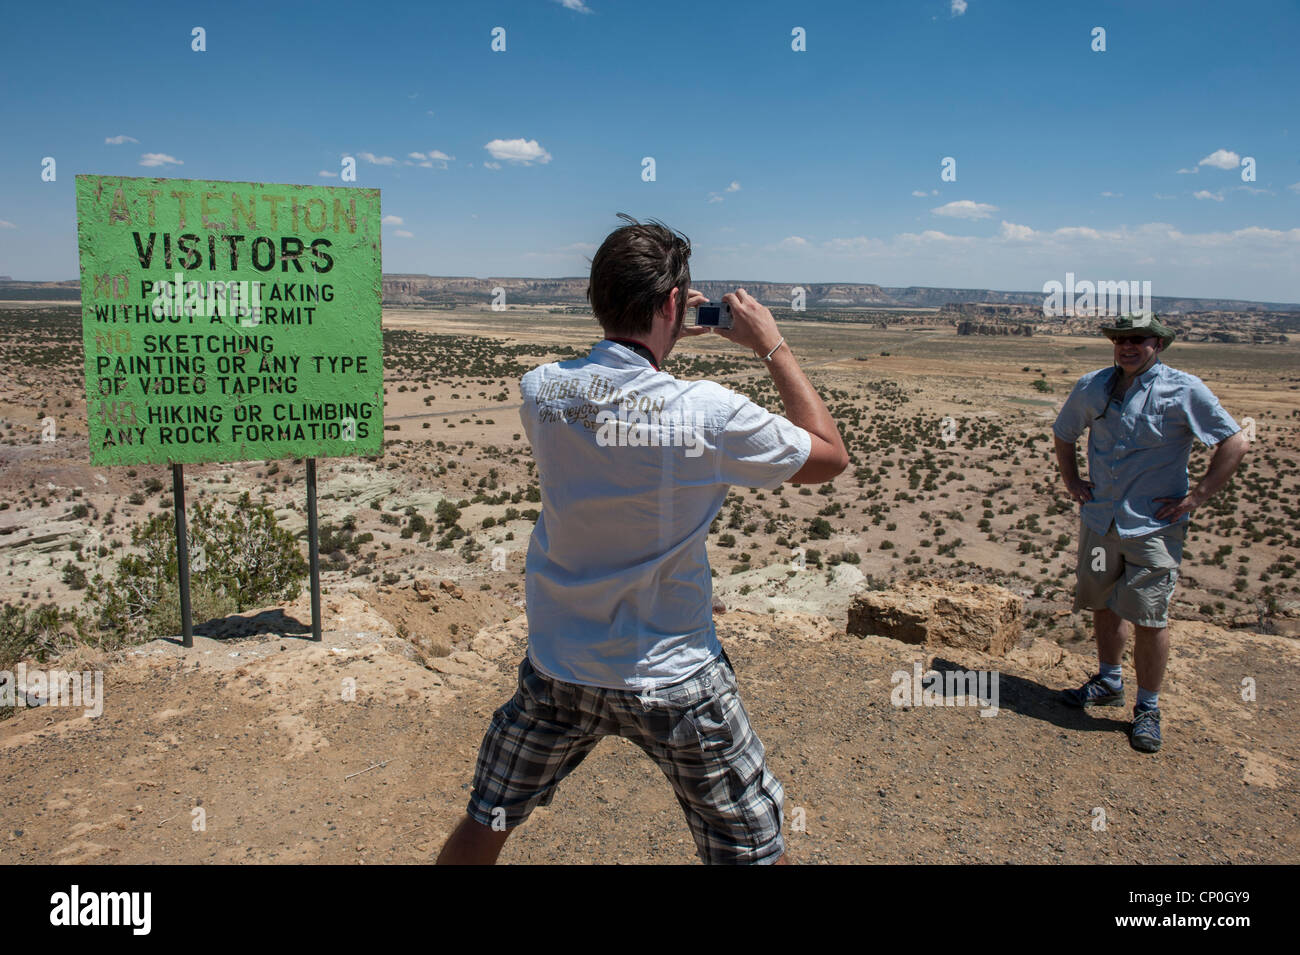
x=1133, y=577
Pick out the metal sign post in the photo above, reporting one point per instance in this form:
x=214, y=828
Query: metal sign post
x=182, y=556
x=313, y=549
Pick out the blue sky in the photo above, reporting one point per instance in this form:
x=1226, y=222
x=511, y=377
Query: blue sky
x=813, y=166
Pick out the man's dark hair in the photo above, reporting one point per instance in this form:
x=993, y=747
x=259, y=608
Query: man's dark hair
x=634, y=270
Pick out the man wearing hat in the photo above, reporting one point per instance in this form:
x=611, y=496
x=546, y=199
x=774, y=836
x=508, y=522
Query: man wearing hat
x=1141, y=416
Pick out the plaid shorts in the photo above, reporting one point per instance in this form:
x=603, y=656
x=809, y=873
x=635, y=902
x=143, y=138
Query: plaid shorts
x=697, y=730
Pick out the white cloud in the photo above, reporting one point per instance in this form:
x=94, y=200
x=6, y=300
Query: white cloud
x=403, y=234
x=436, y=159
x=933, y=235
x=1156, y=239
x=1113, y=195
x=575, y=5
x=1221, y=159
x=522, y=151
x=958, y=7
x=1256, y=192
x=965, y=209
x=492, y=165
x=6, y=224
x=793, y=242
x=1161, y=195
x=378, y=160
x=327, y=174
x=1255, y=263
x=430, y=159
x=571, y=252
x=734, y=187
x=159, y=159
x=119, y=140
x=1294, y=187
x=1077, y=232
x=392, y=220
x=920, y=193
x=858, y=245
x=1206, y=194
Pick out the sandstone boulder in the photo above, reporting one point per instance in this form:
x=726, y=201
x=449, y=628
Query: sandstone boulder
x=941, y=613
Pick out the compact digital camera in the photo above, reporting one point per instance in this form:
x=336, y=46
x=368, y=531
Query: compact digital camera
x=713, y=316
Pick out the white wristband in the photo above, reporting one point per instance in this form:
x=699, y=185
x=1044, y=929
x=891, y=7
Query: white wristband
x=768, y=356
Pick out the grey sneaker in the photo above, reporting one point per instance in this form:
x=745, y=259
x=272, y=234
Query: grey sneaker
x=1096, y=692
x=1144, y=734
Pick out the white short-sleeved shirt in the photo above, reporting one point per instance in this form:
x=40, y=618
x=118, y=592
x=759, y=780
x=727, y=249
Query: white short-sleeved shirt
x=633, y=466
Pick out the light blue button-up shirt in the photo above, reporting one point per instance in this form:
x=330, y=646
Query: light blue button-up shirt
x=1138, y=450
x=633, y=465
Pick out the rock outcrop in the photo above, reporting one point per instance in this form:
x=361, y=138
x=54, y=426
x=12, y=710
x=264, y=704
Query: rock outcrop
x=941, y=613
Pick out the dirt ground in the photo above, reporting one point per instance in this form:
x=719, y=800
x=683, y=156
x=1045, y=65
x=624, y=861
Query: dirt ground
x=257, y=734
x=259, y=745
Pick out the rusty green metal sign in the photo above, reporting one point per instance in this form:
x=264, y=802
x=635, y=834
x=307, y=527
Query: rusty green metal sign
x=230, y=321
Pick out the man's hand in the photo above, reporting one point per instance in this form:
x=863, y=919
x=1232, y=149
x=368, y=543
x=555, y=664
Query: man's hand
x=693, y=298
x=1176, y=507
x=1079, y=489
x=1227, y=455
x=752, y=324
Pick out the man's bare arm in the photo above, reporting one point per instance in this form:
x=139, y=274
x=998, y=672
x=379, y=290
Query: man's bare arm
x=1227, y=456
x=1068, y=463
x=755, y=328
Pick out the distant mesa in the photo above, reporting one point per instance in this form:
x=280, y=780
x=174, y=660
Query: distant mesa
x=967, y=302
x=967, y=311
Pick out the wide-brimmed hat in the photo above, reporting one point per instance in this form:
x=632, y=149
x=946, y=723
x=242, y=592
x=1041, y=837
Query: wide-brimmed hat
x=1129, y=324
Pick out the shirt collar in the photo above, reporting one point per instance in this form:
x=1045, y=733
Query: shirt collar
x=620, y=353
x=1143, y=379
x=1150, y=374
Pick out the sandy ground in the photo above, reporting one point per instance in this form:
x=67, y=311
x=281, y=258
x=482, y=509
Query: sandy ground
x=256, y=733
x=252, y=722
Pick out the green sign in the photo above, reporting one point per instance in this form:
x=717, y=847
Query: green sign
x=230, y=321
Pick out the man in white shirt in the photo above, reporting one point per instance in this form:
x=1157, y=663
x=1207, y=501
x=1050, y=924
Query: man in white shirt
x=633, y=466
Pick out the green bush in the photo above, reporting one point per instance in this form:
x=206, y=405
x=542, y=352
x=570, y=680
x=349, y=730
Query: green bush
x=37, y=633
x=446, y=512
x=74, y=576
x=239, y=558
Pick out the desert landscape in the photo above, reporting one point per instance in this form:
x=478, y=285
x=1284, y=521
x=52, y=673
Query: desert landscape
x=952, y=478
